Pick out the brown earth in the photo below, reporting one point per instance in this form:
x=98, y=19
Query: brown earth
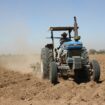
x=19, y=85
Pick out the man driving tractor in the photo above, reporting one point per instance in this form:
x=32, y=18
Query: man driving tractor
x=63, y=39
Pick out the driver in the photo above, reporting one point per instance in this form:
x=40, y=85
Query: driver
x=63, y=39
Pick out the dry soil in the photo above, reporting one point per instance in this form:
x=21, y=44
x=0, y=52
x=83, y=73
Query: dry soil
x=20, y=85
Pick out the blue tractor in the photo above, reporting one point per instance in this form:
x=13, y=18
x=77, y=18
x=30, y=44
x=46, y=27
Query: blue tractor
x=70, y=59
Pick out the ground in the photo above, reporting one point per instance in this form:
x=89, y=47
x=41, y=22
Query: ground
x=20, y=85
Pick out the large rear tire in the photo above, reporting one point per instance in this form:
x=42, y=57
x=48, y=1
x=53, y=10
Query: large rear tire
x=53, y=73
x=95, y=70
x=46, y=58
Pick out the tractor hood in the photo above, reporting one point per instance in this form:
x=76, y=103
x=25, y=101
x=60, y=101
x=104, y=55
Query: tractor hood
x=72, y=45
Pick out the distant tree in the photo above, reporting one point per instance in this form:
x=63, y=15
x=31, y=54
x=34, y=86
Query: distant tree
x=92, y=51
x=101, y=52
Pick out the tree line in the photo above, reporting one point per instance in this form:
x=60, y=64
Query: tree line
x=93, y=51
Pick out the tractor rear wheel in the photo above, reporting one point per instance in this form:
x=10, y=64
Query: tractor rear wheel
x=95, y=70
x=46, y=58
x=53, y=73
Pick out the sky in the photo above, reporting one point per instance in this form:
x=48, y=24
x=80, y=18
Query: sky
x=24, y=23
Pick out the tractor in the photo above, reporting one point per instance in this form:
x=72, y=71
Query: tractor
x=70, y=59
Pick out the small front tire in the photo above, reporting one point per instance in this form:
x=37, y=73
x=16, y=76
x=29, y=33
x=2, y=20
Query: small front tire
x=53, y=73
x=95, y=70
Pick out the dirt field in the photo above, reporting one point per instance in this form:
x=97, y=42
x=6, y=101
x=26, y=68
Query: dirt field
x=19, y=85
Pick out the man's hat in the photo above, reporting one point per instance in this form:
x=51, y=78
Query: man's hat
x=64, y=34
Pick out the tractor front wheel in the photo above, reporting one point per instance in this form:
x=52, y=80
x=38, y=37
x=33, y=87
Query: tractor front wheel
x=53, y=73
x=94, y=70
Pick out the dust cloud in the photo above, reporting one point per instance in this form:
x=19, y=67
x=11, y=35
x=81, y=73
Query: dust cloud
x=20, y=63
x=17, y=51
x=17, y=38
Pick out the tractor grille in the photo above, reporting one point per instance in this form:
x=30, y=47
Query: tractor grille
x=74, y=52
x=76, y=62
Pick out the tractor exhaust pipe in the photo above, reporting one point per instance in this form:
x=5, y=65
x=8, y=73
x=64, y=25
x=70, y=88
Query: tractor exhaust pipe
x=76, y=37
x=75, y=27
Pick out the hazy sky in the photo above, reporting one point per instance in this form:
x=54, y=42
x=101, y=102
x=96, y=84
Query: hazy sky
x=24, y=23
